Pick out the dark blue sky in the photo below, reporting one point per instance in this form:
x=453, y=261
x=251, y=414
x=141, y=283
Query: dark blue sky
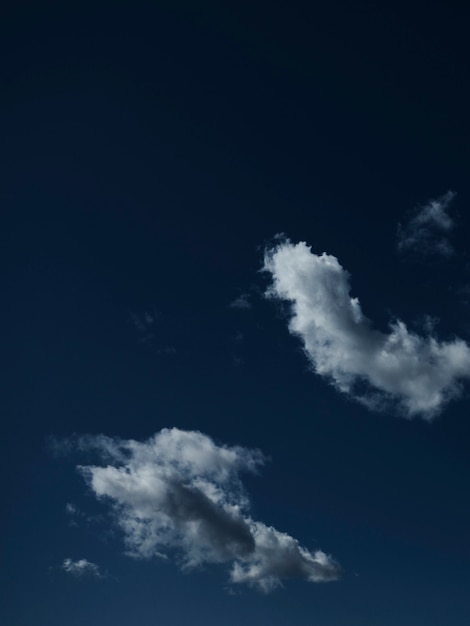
x=150, y=153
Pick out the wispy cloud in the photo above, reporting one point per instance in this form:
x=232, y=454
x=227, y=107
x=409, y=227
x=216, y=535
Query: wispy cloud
x=241, y=302
x=417, y=374
x=427, y=232
x=71, y=509
x=144, y=324
x=78, y=517
x=179, y=493
x=81, y=568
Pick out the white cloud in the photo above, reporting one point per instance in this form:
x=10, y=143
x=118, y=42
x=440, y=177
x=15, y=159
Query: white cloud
x=427, y=232
x=417, y=373
x=82, y=567
x=180, y=493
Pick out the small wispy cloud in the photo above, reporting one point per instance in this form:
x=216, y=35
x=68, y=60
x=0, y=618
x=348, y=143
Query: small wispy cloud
x=81, y=568
x=78, y=517
x=428, y=230
x=144, y=324
x=399, y=369
x=168, y=350
x=179, y=493
x=71, y=509
x=241, y=302
x=73, y=513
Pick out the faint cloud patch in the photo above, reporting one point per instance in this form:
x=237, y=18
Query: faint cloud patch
x=242, y=302
x=144, y=324
x=428, y=230
x=239, y=337
x=238, y=340
x=78, y=517
x=169, y=350
x=73, y=513
x=82, y=568
x=425, y=324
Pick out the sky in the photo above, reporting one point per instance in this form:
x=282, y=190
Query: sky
x=236, y=298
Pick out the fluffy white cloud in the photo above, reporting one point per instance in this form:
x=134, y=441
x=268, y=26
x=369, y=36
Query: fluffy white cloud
x=82, y=567
x=428, y=229
x=180, y=493
x=419, y=374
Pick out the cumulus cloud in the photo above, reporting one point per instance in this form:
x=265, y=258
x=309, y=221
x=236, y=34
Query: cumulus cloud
x=417, y=374
x=81, y=568
x=179, y=493
x=428, y=230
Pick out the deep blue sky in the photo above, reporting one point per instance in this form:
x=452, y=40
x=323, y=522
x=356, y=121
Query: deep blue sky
x=149, y=154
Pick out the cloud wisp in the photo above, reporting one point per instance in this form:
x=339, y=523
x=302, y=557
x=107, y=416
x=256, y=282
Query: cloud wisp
x=416, y=374
x=428, y=230
x=242, y=302
x=180, y=494
x=81, y=568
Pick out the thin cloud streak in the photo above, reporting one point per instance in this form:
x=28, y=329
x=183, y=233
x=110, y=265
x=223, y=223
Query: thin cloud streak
x=415, y=374
x=180, y=494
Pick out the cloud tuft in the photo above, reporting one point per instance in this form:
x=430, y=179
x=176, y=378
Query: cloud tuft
x=416, y=374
